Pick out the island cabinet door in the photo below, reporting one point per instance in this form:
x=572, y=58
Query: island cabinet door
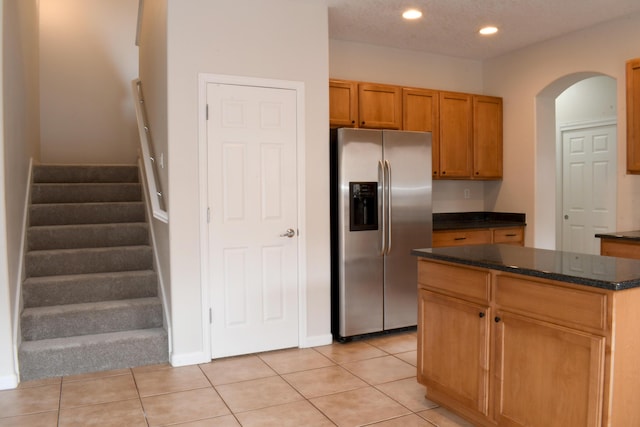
x=454, y=344
x=547, y=375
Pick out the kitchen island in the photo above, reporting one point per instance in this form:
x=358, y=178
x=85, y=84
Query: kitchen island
x=518, y=336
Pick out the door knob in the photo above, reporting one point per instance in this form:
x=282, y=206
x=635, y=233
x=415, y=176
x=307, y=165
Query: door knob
x=289, y=233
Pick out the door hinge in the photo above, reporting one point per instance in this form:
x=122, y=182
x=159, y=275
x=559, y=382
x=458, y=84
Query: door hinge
x=207, y=111
x=208, y=215
x=210, y=316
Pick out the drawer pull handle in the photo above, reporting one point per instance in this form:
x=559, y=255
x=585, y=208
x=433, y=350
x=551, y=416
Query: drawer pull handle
x=511, y=235
x=481, y=314
x=460, y=238
x=497, y=319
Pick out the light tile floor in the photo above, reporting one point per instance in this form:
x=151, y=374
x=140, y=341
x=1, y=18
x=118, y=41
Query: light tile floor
x=368, y=382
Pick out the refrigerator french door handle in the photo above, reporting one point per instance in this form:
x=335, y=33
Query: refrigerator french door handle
x=387, y=191
x=381, y=180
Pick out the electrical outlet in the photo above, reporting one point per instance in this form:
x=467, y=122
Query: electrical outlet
x=467, y=193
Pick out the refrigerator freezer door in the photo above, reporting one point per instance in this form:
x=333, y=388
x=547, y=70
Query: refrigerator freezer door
x=408, y=155
x=361, y=274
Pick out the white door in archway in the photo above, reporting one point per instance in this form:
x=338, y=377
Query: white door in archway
x=588, y=186
x=253, y=230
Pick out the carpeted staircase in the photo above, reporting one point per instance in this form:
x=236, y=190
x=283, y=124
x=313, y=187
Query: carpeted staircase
x=90, y=295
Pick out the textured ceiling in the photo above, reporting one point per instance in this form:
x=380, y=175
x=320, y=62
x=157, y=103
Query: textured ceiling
x=450, y=27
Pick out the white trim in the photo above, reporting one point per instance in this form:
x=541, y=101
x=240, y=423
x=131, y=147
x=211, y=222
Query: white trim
x=158, y=264
x=587, y=124
x=148, y=169
x=203, y=80
x=187, y=359
x=139, y=21
x=8, y=382
x=315, y=341
x=17, y=335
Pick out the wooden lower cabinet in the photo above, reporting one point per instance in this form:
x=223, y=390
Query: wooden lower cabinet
x=620, y=248
x=459, y=370
x=547, y=375
x=528, y=351
x=478, y=236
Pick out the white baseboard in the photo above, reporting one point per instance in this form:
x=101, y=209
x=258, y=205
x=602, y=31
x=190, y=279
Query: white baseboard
x=316, y=341
x=189, y=359
x=9, y=382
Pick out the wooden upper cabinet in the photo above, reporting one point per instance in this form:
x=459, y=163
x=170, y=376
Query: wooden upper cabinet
x=466, y=129
x=379, y=106
x=487, y=137
x=421, y=112
x=633, y=116
x=343, y=103
x=456, y=133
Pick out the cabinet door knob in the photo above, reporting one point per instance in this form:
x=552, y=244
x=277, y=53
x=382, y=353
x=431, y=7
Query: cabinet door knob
x=497, y=319
x=444, y=172
x=362, y=123
x=481, y=314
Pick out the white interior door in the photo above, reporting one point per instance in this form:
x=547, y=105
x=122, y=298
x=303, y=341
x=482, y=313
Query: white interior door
x=252, y=172
x=589, y=187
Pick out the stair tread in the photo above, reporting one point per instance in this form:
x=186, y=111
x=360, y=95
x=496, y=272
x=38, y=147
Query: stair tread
x=86, y=226
x=85, y=173
x=91, y=306
x=81, y=276
x=45, y=205
x=99, y=249
x=84, y=340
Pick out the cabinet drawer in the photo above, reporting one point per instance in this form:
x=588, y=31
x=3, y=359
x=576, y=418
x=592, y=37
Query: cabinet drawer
x=461, y=237
x=561, y=305
x=453, y=280
x=508, y=235
x=619, y=249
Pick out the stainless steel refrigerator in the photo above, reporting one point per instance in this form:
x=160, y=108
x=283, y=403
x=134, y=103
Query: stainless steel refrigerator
x=380, y=210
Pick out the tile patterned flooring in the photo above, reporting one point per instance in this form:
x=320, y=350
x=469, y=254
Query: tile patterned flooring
x=368, y=382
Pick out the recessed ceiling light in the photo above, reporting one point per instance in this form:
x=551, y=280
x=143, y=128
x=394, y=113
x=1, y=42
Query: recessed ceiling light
x=486, y=31
x=411, y=14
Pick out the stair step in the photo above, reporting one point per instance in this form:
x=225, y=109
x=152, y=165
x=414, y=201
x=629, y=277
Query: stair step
x=83, y=288
x=85, y=192
x=92, y=260
x=87, y=236
x=61, y=321
x=92, y=353
x=86, y=213
x=85, y=173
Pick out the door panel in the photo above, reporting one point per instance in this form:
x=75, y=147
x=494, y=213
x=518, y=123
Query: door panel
x=251, y=134
x=589, y=187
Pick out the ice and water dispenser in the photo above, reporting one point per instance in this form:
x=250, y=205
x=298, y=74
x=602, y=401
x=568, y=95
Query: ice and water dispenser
x=363, y=209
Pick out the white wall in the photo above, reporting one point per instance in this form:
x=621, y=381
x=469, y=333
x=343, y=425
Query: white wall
x=279, y=39
x=153, y=75
x=364, y=62
x=529, y=80
x=591, y=99
x=19, y=139
x=88, y=58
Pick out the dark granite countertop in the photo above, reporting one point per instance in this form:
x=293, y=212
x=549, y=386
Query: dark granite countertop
x=633, y=236
x=466, y=220
x=582, y=269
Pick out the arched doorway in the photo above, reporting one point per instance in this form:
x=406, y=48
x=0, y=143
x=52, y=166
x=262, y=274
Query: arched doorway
x=574, y=98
